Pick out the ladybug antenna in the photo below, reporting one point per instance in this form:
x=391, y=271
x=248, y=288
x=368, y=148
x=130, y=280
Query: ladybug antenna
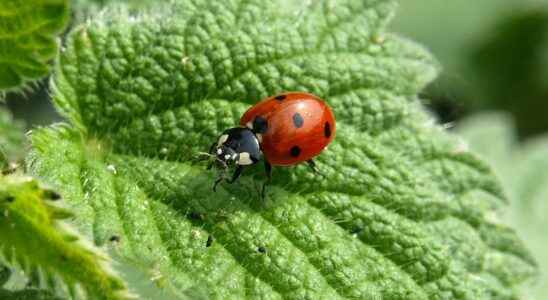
x=204, y=155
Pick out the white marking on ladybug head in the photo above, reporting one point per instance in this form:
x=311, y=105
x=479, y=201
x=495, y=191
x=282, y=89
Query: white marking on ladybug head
x=219, y=151
x=222, y=139
x=249, y=125
x=234, y=156
x=244, y=159
x=227, y=156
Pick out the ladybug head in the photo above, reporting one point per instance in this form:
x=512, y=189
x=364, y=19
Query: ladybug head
x=237, y=145
x=226, y=154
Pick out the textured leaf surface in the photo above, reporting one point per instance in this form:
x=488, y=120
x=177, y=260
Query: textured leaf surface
x=11, y=138
x=33, y=239
x=88, y=9
x=28, y=38
x=522, y=167
x=27, y=294
x=14, y=285
x=404, y=213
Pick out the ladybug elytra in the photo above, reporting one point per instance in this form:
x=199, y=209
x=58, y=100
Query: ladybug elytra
x=283, y=130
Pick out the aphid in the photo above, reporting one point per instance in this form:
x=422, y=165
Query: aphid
x=282, y=130
x=209, y=241
x=52, y=195
x=197, y=216
x=114, y=238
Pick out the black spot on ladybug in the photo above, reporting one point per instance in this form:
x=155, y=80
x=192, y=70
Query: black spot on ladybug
x=280, y=97
x=298, y=120
x=114, y=238
x=261, y=249
x=295, y=151
x=209, y=240
x=327, y=129
x=260, y=125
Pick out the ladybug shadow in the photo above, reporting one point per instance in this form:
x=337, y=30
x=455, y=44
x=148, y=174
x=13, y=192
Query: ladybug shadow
x=192, y=195
x=190, y=191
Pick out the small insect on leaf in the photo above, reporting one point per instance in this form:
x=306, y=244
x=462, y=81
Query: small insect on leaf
x=209, y=241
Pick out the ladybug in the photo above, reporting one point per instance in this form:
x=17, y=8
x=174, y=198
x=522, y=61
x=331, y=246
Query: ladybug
x=282, y=130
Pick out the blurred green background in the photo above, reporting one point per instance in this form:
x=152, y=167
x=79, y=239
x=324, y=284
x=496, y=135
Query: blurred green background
x=494, y=55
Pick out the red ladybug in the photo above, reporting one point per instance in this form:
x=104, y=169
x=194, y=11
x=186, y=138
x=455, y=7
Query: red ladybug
x=284, y=130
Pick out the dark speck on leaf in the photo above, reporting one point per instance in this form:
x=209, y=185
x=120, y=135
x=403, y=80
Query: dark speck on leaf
x=209, y=240
x=114, y=238
x=261, y=249
x=10, y=198
x=356, y=230
x=53, y=195
x=194, y=215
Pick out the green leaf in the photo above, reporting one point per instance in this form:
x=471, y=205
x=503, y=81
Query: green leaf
x=11, y=138
x=34, y=239
x=89, y=9
x=28, y=38
x=27, y=294
x=145, y=281
x=522, y=167
x=94, y=6
x=460, y=29
x=403, y=214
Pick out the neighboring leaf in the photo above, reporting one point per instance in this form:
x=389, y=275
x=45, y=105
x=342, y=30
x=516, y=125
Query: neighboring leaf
x=461, y=27
x=28, y=38
x=522, y=167
x=508, y=66
x=33, y=238
x=403, y=212
x=493, y=53
x=11, y=138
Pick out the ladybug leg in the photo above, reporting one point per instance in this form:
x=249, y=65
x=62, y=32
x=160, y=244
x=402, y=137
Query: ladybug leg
x=236, y=174
x=313, y=167
x=212, y=147
x=268, y=171
x=217, y=182
x=219, y=179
